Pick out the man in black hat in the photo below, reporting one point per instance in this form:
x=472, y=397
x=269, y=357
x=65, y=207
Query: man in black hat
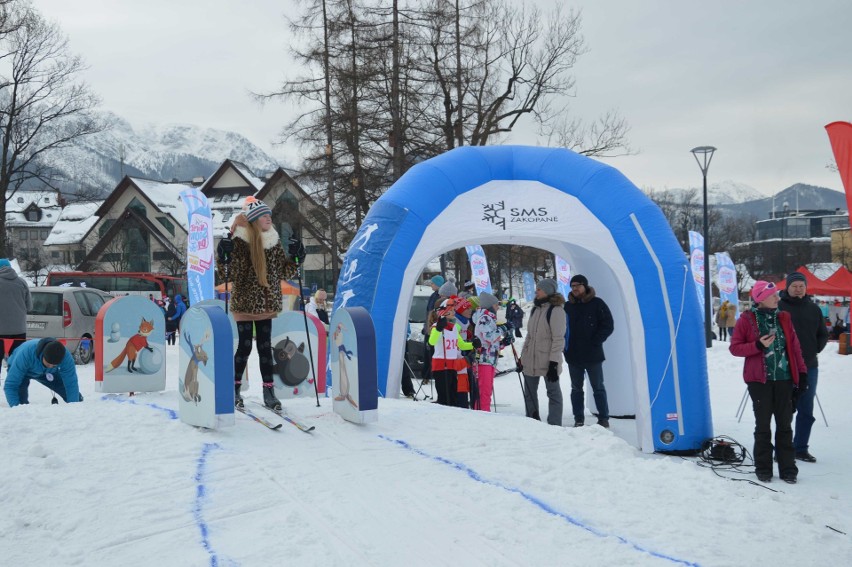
x=46, y=361
x=589, y=325
x=813, y=335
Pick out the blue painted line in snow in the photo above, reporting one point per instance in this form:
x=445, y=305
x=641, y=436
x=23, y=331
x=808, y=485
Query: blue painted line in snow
x=536, y=501
x=200, y=497
x=172, y=413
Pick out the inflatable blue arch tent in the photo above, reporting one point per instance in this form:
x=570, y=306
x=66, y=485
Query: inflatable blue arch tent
x=574, y=207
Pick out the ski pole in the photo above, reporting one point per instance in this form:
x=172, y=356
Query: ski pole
x=527, y=401
x=307, y=333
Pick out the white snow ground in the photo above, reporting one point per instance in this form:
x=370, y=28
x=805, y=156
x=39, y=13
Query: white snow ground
x=120, y=481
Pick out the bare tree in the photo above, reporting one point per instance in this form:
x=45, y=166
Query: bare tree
x=604, y=137
x=387, y=85
x=117, y=253
x=176, y=263
x=43, y=104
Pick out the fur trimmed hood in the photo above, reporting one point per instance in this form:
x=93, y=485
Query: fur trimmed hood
x=270, y=237
x=590, y=295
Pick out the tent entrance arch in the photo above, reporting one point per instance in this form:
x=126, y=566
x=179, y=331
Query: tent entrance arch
x=572, y=206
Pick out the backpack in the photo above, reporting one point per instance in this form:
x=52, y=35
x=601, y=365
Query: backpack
x=547, y=316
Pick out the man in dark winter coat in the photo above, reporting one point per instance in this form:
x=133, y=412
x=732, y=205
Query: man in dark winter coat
x=540, y=355
x=813, y=335
x=589, y=325
x=515, y=316
x=16, y=303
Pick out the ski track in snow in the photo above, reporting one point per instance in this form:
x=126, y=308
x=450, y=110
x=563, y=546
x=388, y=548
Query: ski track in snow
x=117, y=480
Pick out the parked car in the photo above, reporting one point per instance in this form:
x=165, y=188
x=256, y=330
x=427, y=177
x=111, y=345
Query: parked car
x=415, y=345
x=67, y=313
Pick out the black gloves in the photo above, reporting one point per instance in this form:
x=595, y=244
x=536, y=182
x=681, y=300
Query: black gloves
x=520, y=367
x=759, y=345
x=441, y=324
x=470, y=355
x=552, y=372
x=803, y=381
x=149, y=349
x=296, y=250
x=507, y=340
x=476, y=342
x=224, y=249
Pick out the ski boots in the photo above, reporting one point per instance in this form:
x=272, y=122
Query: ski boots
x=238, y=399
x=269, y=399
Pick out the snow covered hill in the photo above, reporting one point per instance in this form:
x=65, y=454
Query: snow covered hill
x=154, y=151
x=723, y=193
x=121, y=481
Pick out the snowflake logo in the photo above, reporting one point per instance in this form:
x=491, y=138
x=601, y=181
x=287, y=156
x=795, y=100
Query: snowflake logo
x=493, y=213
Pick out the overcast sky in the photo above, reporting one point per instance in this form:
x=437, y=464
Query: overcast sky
x=759, y=79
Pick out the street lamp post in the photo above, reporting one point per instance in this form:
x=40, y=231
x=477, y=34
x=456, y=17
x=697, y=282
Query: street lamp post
x=703, y=155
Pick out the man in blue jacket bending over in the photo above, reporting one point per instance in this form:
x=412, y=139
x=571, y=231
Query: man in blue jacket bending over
x=46, y=361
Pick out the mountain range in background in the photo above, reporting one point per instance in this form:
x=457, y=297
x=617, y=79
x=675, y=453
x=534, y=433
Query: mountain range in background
x=739, y=199
x=92, y=166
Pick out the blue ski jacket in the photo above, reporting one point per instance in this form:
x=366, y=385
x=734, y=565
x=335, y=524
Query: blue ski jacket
x=26, y=364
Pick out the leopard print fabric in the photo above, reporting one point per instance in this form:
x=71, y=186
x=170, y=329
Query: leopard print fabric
x=248, y=295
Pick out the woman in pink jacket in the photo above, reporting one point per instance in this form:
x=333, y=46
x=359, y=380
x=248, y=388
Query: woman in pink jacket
x=774, y=372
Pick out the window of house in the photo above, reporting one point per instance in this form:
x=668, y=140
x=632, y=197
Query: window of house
x=33, y=215
x=20, y=199
x=162, y=256
x=55, y=254
x=168, y=224
x=23, y=235
x=44, y=234
x=33, y=235
x=235, y=197
x=137, y=207
x=218, y=198
x=107, y=224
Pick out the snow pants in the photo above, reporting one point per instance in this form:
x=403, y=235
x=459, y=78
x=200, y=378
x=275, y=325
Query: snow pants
x=773, y=399
x=486, y=386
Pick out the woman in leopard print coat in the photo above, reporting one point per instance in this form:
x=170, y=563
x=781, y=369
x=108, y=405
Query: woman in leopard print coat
x=258, y=264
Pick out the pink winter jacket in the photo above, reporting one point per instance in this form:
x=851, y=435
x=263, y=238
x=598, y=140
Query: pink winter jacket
x=743, y=344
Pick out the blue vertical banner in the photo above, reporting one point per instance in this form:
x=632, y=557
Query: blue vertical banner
x=479, y=268
x=726, y=279
x=696, y=261
x=563, y=276
x=200, y=264
x=529, y=286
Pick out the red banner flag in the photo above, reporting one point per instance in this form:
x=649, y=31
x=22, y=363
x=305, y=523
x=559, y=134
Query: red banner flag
x=840, y=135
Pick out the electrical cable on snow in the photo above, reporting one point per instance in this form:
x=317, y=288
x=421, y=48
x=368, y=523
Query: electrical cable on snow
x=535, y=501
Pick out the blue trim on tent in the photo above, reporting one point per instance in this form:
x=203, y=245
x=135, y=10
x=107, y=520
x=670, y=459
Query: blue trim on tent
x=425, y=191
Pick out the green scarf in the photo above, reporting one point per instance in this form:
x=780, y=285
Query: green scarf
x=775, y=356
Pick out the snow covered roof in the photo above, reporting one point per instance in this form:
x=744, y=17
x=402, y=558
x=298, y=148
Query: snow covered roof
x=166, y=197
x=223, y=217
x=75, y=221
x=19, y=202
